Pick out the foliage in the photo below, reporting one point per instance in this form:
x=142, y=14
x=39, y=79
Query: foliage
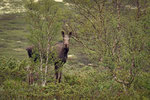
x=110, y=34
x=10, y=68
x=43, y=18
x=116, y=40
x=84, y=83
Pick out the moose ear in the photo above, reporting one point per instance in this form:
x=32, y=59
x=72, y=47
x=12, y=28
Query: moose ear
x=63, y=34
x=70, y=34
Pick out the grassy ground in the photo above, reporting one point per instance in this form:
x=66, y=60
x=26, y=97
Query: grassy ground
x=13, y=35
x=13, y=39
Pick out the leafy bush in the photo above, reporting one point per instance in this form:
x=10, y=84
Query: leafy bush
x=83, y=83
x=11, y=68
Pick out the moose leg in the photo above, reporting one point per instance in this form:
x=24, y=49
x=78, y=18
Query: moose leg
x=60, y=74
x=30, y=78
x=56, y=73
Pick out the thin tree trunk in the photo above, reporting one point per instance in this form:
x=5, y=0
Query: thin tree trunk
x=41, y=63
x=138, y=9
x=47, y=57
x=46, y=67
x=118, y=14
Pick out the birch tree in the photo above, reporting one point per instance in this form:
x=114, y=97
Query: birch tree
x=113, y=36
x=42, y=17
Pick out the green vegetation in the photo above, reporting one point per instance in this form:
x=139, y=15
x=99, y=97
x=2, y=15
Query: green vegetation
x=84, y=82
x=110, y=41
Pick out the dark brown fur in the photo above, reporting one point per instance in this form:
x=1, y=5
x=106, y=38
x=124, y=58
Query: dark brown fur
x=61, y=50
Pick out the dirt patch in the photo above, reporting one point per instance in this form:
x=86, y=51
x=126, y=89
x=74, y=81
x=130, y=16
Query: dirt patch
x=1, y=31
x=3, y=45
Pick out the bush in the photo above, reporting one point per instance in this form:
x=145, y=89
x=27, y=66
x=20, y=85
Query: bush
x=11, y=68
x=80, y=83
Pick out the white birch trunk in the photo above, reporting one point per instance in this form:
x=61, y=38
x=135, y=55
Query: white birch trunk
x=46, y=66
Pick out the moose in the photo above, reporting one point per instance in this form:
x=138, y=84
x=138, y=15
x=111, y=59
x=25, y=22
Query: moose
x=61, y=50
